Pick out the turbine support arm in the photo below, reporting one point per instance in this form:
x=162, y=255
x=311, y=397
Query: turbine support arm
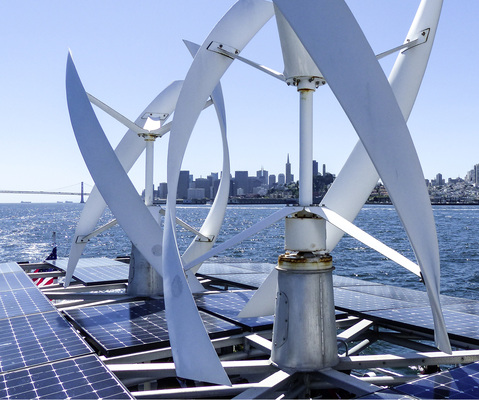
x=96, y=232
x=409, y=44
x=233, y=53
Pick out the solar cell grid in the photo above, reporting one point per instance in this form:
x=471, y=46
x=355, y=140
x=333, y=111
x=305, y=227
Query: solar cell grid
x=96, y=270
x=362, y=302
x=23, y=302
x=228, y=305
x=119, y=328
x=457, y=383
x=14, y=280
x=249, y=280
x=463, y=326
x=83, y=377
x=10, y=267
x=339, y=280
x=34, y=339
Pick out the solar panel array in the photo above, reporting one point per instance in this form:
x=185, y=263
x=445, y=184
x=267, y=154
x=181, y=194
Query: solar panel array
x=137, y=326
x=83, y=377
x=456, y=383
x=91, y=271
x=41, y=355
x=406, y=308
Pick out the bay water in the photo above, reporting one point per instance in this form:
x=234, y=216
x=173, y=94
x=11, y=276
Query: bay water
x=26, y=232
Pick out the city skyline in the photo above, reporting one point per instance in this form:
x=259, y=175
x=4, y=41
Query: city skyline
x=126, y=68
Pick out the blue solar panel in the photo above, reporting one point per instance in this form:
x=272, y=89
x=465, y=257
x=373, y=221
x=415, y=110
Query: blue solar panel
x=354, y=301
x=38, y=338
x=14, y=280
x=76, y=378
x=235, y=268
x=96, y=270
x=228, y=305
x=23, y=302
x=456, y=383
x=121, y=328
x=339, y=280
x=459, y=325
x=250, y=281
x=10, y=267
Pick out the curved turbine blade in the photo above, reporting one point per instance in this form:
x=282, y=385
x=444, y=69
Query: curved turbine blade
x=332, y=37
x=137, y=222
x=109, y=175
x=188, y=342
x=128, y=151
x=357, y=178
x=214, y=219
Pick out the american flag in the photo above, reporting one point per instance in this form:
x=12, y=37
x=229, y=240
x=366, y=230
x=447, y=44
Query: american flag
x=40, y=282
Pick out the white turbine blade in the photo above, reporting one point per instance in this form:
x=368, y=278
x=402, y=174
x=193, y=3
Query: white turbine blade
x=109, y=175
x=259, y=226
x=367, y=98
x=214, y=219
x=263, y=301
x=193, y=357
x=115, y=114
x=357, y=233
x=128, y=151
x=357, y=179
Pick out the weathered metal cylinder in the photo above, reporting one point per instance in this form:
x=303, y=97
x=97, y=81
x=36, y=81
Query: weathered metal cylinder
x=143, y=280
x=304, y=333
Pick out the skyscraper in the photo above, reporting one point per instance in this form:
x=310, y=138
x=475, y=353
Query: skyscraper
x=183, y=185
x=288, y=171
x=241, y=181
x=315, y=168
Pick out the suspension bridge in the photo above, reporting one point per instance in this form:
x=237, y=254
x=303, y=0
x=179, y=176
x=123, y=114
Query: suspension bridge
x=81, y=193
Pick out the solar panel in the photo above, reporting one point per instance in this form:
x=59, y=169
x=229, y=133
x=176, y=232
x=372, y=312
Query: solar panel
x=120, y=328
x=10, y=267
x=23, y=302
x=96, y=270
x=459, y=325
x=456, y=383
x=228, y=305
x=14, y=280
x=83, y=377
x=355, y=301
x=339, y=280
x=235, y=268
x=38, y=338
x=251, y=281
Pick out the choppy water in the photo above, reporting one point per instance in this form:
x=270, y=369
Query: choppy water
x=26, y=231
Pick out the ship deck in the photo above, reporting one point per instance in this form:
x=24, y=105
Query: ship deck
x=92, y=340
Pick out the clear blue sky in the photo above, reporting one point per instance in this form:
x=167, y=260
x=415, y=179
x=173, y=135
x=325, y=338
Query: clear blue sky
x=127, y=51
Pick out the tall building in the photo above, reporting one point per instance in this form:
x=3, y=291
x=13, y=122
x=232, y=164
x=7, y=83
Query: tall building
x=315, y=168
x=241, y=181
x=324, y=169
x=272, y=180
x=183, y=185
x=163, y=190
x=476, y=175
x=281, y=179
x=262, y=175
x=288, y=171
